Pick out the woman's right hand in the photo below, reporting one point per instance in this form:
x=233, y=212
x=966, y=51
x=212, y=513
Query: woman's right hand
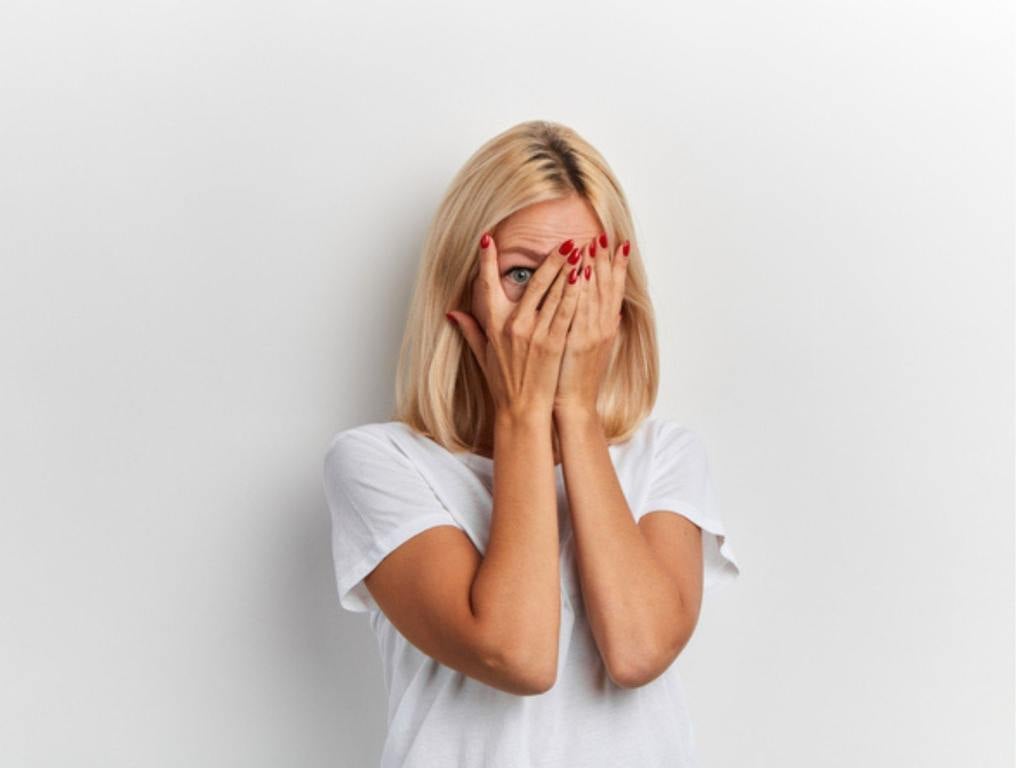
x=519, y=345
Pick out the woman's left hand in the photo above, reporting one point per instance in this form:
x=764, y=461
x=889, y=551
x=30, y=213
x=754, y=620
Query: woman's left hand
x=590, y=339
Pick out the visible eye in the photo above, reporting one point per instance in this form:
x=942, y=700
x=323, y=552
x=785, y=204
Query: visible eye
x=519, y=269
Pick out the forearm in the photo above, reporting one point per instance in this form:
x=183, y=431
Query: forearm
x=517, y=587
x=630, y=602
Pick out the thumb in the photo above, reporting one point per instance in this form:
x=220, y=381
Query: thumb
x=475, y=337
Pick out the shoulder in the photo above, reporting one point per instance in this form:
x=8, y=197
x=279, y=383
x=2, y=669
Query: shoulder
x=365, y=444
x=672, y=432
x=657, y=432
x=376, y=431
x=659, y=444
x=670, y=442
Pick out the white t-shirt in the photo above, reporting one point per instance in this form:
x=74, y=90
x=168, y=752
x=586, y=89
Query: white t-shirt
x=385, y=483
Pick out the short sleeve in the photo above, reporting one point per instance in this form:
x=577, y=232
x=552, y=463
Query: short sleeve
x=680, y=482
x=377, y=500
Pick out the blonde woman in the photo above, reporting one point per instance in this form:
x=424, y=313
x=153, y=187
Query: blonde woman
x=531, y=544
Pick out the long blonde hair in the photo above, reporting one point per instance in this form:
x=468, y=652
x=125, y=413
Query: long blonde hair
x=441, y=391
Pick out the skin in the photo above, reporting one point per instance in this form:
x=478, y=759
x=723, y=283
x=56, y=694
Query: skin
x=543, y=345
x=521, y=244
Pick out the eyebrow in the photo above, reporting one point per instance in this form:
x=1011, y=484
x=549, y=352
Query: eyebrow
x=534, y=255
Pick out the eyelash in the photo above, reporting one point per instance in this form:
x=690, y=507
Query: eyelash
x=513, y=269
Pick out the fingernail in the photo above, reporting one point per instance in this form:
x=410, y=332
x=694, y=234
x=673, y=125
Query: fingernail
x=588, y=270
x=603, y=240
x=575, y=255
x=485, y=240
x=626, y=248
x=592, y=249
x=451, y=317
x=572, y=276
x=566, y=246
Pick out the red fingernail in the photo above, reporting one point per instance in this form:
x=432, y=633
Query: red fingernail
x=575, y=255
x=603, y=240
x=451, y=317
x=572, y=276
x=588, y=270
x=485, y=240
x=566, y=246
x=626, y=248
x=592, y=249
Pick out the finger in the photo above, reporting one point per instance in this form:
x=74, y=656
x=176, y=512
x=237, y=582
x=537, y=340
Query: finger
x=551, y=302
x=619, y=270
x=473, y=333
x=579, y=325
x=593, y=299
x=543, y=277
x=569, y=303
x=602, y=274
x=491, y=291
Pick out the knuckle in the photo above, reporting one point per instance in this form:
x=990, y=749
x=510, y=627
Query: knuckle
x=517, y=328
x=541, y=343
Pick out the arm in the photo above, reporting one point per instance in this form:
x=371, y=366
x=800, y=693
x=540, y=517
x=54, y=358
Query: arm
x=517, y=590
x=500, y=615
x=641, y=583
x=496, y=617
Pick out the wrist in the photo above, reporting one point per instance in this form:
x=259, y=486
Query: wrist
x=523, y=417
x=575, y=412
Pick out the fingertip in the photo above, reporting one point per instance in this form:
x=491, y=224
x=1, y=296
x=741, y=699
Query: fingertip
x=488, y=256
x=488, y=248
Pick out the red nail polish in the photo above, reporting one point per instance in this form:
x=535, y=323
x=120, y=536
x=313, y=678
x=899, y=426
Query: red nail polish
x=485, y=240
x=572, y=277
x=451, y=318
x=626, y=248
x=566, y=246
x=592, y=249
x=588, y=270
x=603, y=240
x=575, y=255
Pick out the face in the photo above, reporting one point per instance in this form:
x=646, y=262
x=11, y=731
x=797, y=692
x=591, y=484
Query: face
x=526, y=237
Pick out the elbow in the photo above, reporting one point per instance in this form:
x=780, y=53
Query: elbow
x=524, y=674
x=539, y=685
x=520, y=664
x=536, y=675
x=530, y=674
x=635, y=674
x=634, y=668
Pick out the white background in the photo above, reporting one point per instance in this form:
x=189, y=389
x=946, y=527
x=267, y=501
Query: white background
x=211, y=215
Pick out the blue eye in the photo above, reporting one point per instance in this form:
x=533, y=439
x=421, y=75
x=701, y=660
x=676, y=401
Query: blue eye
x=517, y=269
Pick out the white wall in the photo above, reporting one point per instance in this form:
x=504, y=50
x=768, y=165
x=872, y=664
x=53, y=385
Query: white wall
x=210, y=215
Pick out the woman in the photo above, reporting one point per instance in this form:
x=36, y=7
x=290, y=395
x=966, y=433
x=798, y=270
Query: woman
x=531, y=544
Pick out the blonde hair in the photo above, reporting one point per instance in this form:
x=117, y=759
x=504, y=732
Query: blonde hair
x=440, y=388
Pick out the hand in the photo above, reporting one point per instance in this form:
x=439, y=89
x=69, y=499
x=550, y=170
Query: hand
x=519, y=345
x=590, y=341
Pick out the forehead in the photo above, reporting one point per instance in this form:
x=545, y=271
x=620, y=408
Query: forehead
x=536, y=229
